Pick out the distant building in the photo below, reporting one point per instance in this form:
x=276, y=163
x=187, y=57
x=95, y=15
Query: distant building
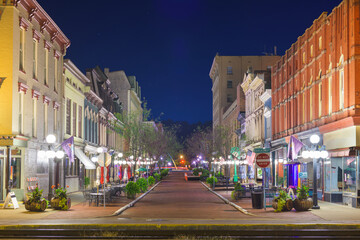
x=226, y=73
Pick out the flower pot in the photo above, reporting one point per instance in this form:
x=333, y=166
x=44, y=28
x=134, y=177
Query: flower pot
x=238, y=194
x=55, y=204
x=287, y=207
x=36, y=206
x=303, y=205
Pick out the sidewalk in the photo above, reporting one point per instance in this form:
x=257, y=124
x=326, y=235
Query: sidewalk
x=80, y=209
x=328, y=211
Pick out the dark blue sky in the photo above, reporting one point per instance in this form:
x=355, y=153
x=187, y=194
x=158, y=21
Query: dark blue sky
x=169, y=45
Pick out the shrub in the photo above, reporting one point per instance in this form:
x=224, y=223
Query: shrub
x=281, y=200
x=36, y=196
x=60, y=193
x=157, y=177
x=238, y=187
x=211, y=180
x=86, y=182
x=302, y=192
x=142, y=183
x=164, y=173
x=196, y=171
x=151, y=180
x=219, y=174
x=132, y=189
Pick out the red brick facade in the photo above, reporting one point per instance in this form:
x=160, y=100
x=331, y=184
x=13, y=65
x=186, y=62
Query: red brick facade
x=309, y=74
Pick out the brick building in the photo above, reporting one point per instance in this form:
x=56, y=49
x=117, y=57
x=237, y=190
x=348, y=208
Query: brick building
x=316, y=89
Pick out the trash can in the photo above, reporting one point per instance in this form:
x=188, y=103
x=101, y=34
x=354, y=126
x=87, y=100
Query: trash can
x=257, y=199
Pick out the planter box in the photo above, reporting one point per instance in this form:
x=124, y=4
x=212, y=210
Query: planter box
x=55, y=203
x=303, y=205
x=36, y=207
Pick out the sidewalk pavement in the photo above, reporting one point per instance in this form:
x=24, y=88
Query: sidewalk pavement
x=330, y=212
x=80, y=209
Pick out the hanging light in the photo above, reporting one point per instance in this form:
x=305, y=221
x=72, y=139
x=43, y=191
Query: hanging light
x=50, y=138
x=120, y=155
x=59, y=154
x=50, y=154
x=41, y=154
x=305, y=154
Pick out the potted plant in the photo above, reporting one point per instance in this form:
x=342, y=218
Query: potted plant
x=283, y=202
x=60, y=201
x=36, y=202
x=238, y=192
x=211, y=181
x=204, y=175
x=302, y=201
x=86, y=182
x=143, y=185
x=131, y=190
x=151, y=180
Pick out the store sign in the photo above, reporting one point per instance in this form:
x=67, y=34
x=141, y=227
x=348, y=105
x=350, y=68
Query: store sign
x=262, y=150
x=263, y=160
x=11, y=198
x=303, y=175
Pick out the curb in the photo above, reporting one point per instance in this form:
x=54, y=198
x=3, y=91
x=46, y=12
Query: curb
x=237, y=207
x=131, y=204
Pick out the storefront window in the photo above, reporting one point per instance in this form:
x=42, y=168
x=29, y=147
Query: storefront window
x=333, y=175
x=349, y=176
x=251, y=173
x=15, y=170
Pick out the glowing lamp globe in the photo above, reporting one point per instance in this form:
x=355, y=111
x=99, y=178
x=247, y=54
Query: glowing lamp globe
x=59, y=154
x=50, y=138
x=50, y=154
x=314, y=139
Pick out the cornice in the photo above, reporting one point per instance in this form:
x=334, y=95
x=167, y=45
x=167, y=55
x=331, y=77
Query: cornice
x=70, y=66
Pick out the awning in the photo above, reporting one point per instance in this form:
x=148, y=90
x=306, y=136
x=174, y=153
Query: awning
x=84, y=159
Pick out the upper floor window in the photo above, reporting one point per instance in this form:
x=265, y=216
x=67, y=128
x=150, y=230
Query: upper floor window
x=304, y=58
x=74, y=118
x=35, y=58
x=311, y=51
x=80, y=122
x=55, y=74
x=229, y=98
x=341, y=82
x=320, y=43
x=68, y=116
x=229, y=70
x=229, y=84
x=22, y=49
x=46, y=67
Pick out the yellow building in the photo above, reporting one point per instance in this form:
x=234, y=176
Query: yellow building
x=32, y=47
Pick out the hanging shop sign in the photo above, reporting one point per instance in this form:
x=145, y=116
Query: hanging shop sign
x=302, y=174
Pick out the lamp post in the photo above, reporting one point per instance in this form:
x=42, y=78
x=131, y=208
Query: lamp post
x=101, y=150
x=51, y=154
x=315, y=153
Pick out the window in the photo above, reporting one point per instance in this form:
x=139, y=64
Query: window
x=229, y=98
x=349, y=172
x=45, y=119
x=341, y=83
x=55, y=119
x=35, y=57
x=311, y=51
x=34, y=118
x=16, y=168
x=311, y=104
x=68, y=116
x=229, y=84
x=80, y=122
x=320, y=99
x=22, y=49
x=21, y=112
x=320, y=43
x=46, y=69
x=304, y=59
x=72, y=168
x=330, y=95
x=74, y=118
x=55, y=74
x=229, y=71
x=303, y=107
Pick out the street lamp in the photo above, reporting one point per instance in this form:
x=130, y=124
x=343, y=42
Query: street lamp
x=315, y=153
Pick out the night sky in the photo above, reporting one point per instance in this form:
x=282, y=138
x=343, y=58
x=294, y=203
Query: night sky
x=169, y=45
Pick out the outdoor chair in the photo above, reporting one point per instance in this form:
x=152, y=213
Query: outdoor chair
x=86, y=194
